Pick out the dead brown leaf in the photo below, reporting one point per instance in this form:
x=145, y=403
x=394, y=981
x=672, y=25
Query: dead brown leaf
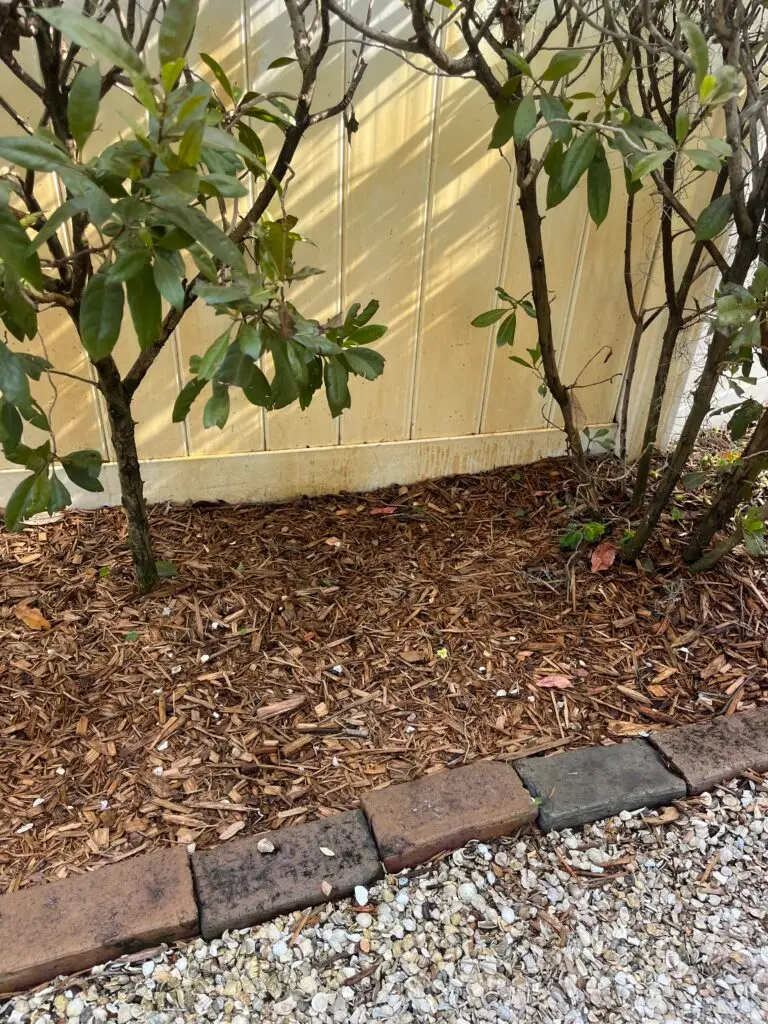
x=664, y=817
x=604, y=556
x=554, y=683
x=231, y=830
x=32, y=618
x=280, y=707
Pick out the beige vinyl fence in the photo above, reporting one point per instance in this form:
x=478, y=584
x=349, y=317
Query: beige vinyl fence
x=417, y=213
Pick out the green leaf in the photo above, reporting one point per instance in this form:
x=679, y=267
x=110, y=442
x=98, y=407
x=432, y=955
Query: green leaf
x=562, y=64
x=506, y=334
x=571, y=539
x=692, y=481
x=19, y=308
x=11, y=425
x=258, y=391
x=281, y=62
x=145, y=306
x=554, y=110
x=593, y=531
x=59, y=216
x=204, y=231
x=518, y=62
x=577, y=159
x=599, y=187
x=14, y=510
x=528, y=307
x=191, y=145
x=365, y=362
x=216, y=412
x=222, y=185
x=492, y=316
x=214, y=357
x=101, y=316
x=13, y=381
x=167, y=279
x=83, y=104
x=714, y=218
x=169, y=74
x=650, y=162
x=697, y=47
x=166, y=570
x=252, y=340
x=221, y=294
x=176, y=29
x=746, y=414
x=366, y=335
x=16, y=250
x=520, y=362
x=83, y=468
x=525, y=119
x=759, y=285
x=129, y=262
x=33, y=153
x=682, y=125
x=95, y=36
x=219, y=73
x=703, y=159
x=336, y=377
x=504, y=128
x=58, y=495
x=754, y=542
x=186, y=397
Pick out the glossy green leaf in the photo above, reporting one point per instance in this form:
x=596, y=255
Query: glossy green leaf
x=704, y=159
x=525, y=119
x=599, y=187
x=96, y=36
x=145, y=305
x=577, y=159
x=14, y=384
x=252, y=339
x=20, y=317
x=649, y=163
x=336, y=378
x=11, y=425
x=83, y=468
x=504, y=128
x=281, y=62
x=220, y=74
x=213, y=357
x=16, y=250
x=101, y=315
x=518, y=62
x=216, y=412
x=176, y=29
x=33, y=153
x=562, y=64
x=59, y=216
x=364, y=362
x=14, y=510
x=366, y=335
x=167, y=279
x=682, y=125
x=83, y=103
x=714, y=219
x=748, y=412
x=697, y=47
x=186, y=397
x=58, y=495
x=204, y=231
x=222, y=185
x=491, y=316
x=258, y=391
x=506, y=332
x=554, y=113
x=129, y=262
x=166, y=570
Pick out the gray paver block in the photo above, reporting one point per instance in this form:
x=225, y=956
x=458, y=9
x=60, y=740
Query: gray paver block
x=585, y=785
x=237, y=886
x=718, y=750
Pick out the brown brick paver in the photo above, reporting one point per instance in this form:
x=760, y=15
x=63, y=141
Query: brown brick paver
x=718, y=750
x=414, y=821
x=87, y=919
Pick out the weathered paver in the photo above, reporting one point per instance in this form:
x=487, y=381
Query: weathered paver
x=416, y=820
x=716, y=751
x=238, y=886
x=594, y=782
x=86, y=919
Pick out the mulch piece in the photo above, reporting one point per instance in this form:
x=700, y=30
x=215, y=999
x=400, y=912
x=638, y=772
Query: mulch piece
x=314, y=649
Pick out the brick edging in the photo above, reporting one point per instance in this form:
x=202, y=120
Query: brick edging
x=168, y=895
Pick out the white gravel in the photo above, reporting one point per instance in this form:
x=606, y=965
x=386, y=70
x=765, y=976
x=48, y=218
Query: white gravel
x=635, y=919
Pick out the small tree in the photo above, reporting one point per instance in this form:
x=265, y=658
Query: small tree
x=136, y=224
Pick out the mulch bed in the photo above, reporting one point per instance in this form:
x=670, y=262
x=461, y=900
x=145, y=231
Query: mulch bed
x=311, y=650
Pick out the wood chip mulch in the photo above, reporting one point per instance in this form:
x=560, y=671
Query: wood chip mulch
x=311, y=650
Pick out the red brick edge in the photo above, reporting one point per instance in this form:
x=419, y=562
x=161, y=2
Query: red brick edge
x=72, y=925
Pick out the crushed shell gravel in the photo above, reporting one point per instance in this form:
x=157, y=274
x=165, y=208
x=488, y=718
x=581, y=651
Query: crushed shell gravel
x=638, y=918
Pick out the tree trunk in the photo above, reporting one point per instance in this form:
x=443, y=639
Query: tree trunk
x=712, y=557
x=123, y=433
x=529, y=207
x=717, y=353
x=753, y=460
